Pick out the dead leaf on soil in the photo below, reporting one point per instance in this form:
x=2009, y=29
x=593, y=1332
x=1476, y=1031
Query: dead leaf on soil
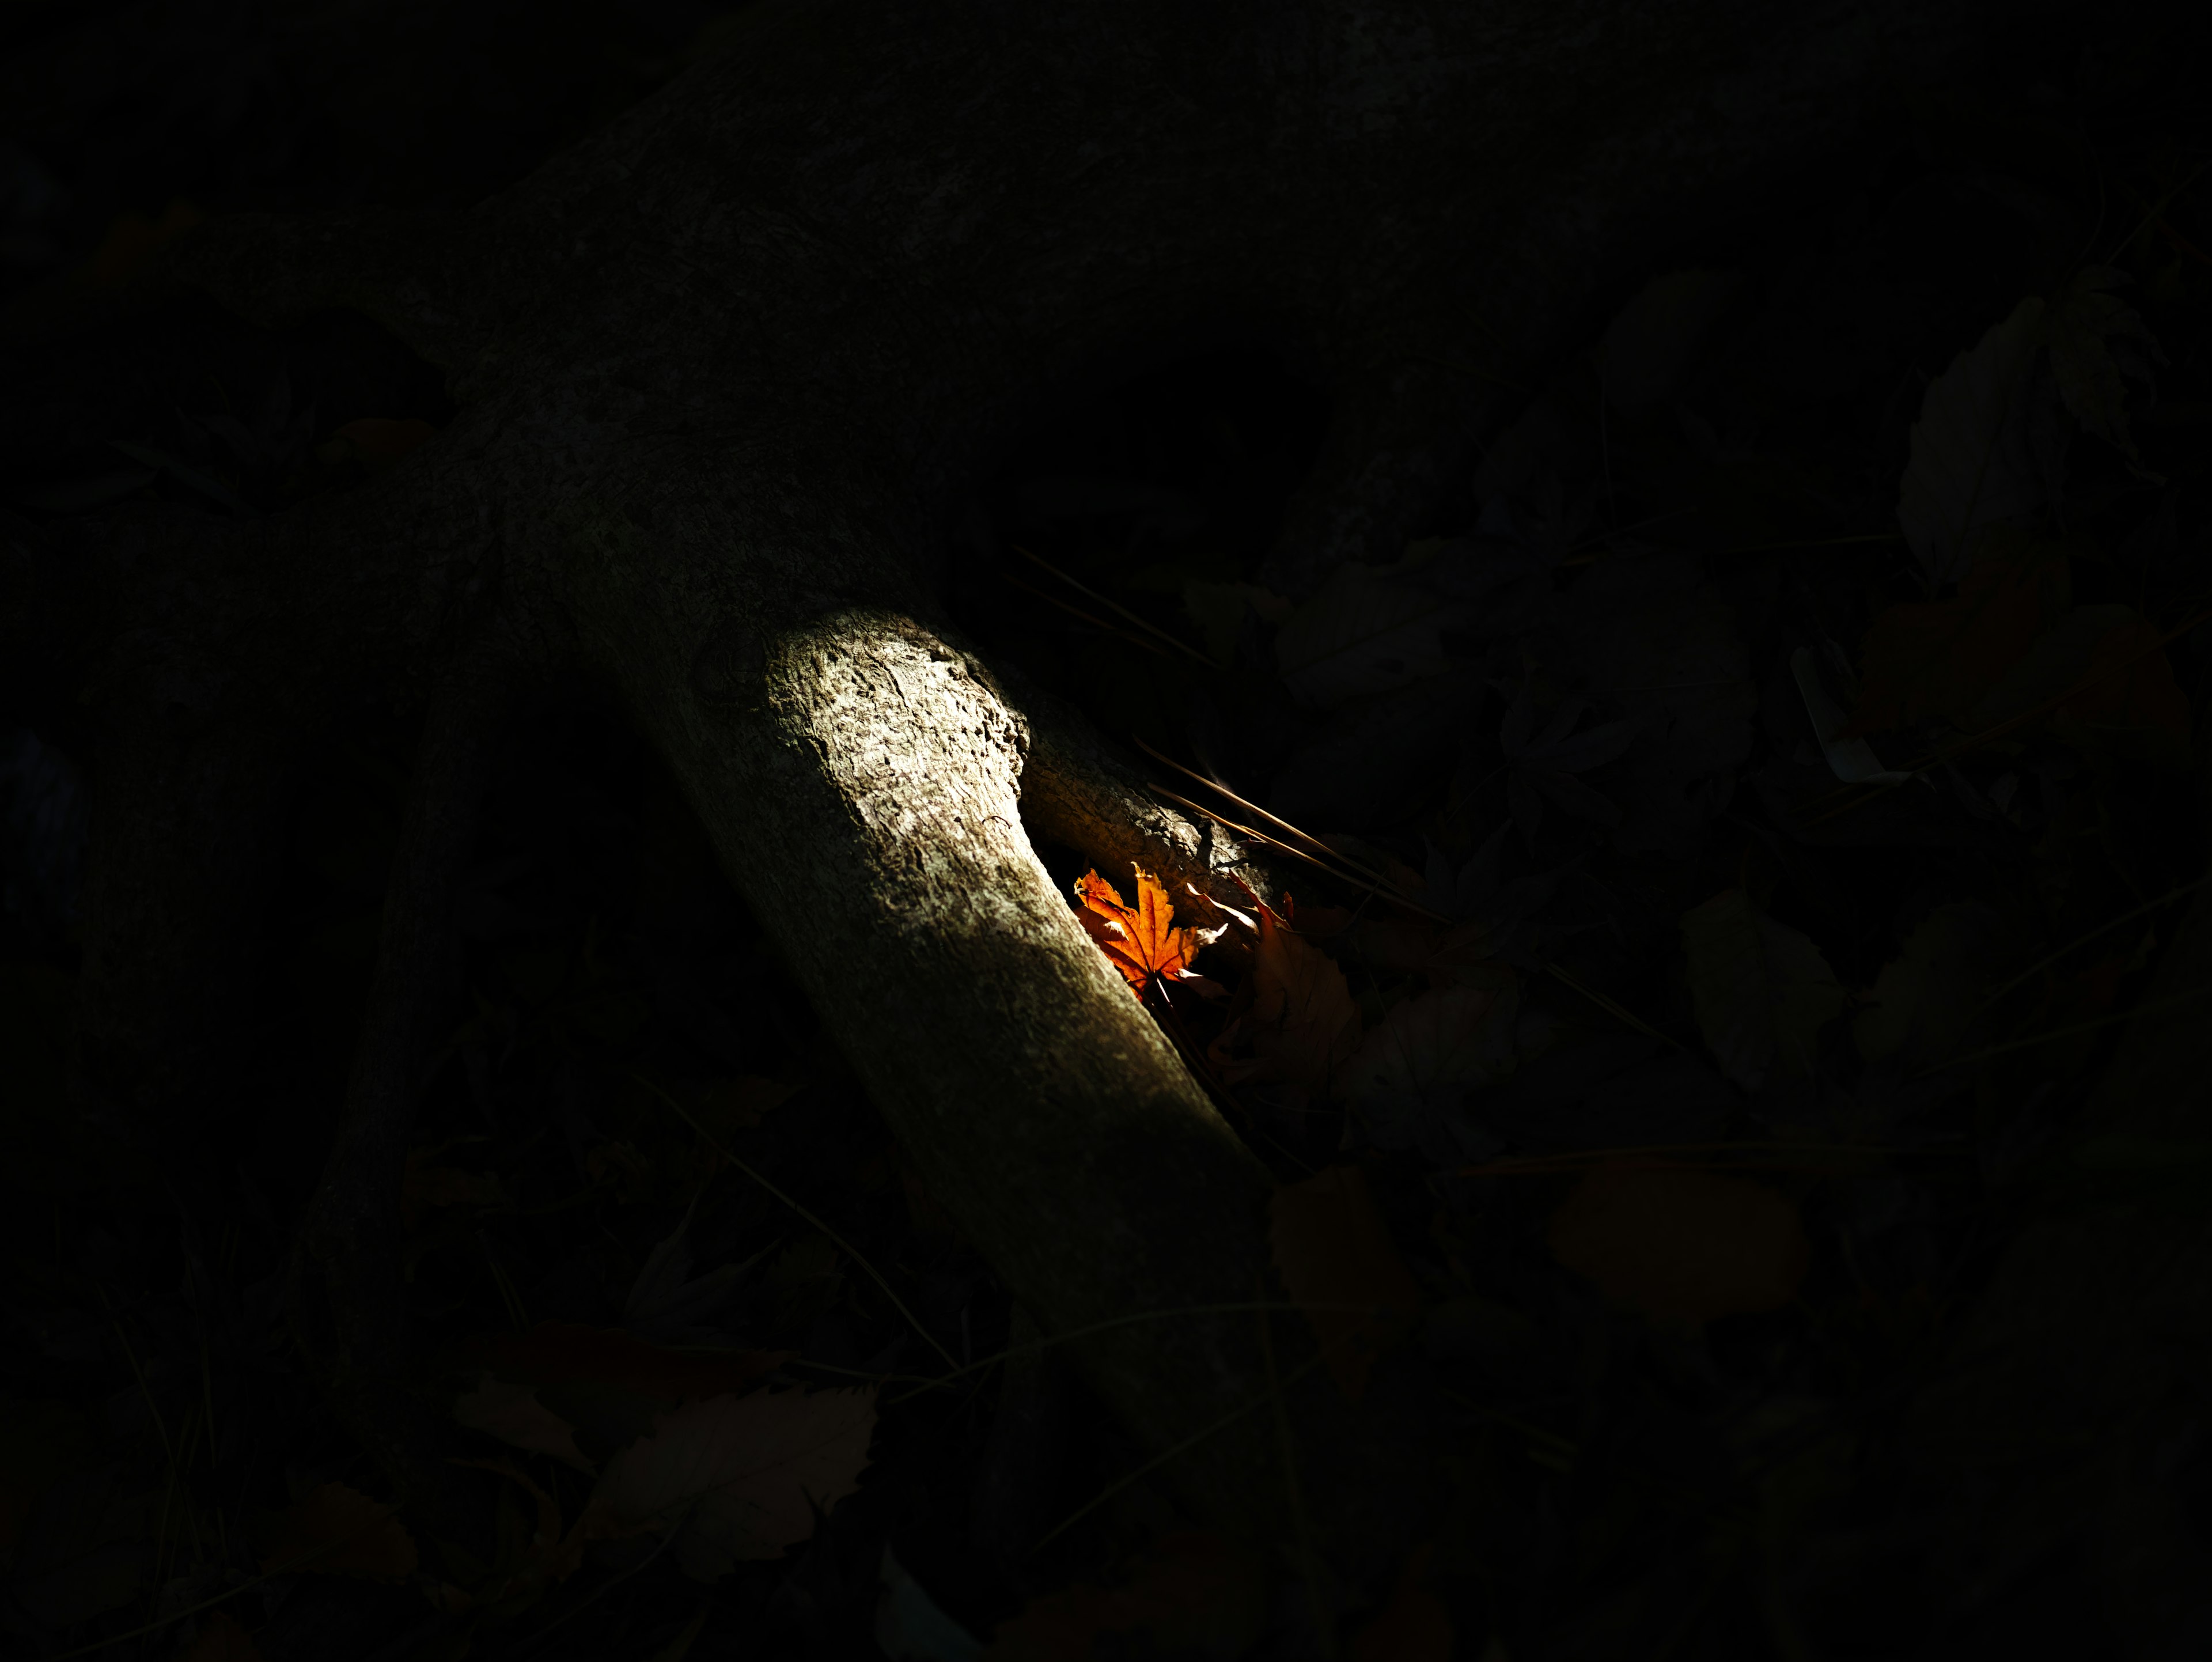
x=1190, y=1594
x=222, y=1639
x=1335, y=1255
x=1142, y=940
x=1417, y=1065
x=1762, y=990
x=2129, y=702
x=1926, y=996
x=1942, y=657
x=1362, y=632
x=742, y=1477
x=511, y=1412
x=1660, y=644
x=337, y=1531
x=1681, y=1247
x=131, y=237
x=2081, y=324
x=1413, y=1625
x=1303, y=1024
x=1971, y=465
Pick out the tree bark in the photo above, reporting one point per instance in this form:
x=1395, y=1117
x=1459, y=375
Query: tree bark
x=725, y=376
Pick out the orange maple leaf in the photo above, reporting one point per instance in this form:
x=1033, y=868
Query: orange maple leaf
x=1141, y=940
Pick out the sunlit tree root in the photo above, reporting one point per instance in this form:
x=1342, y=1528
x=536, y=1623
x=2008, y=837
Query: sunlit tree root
x=725, y=372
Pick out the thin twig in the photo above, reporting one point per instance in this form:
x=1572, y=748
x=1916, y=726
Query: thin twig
x=295, y=1562
x=2029, y=974
x=1183, y=647
x=2057, y=1033
x=531, y=1643
x=1308, y=837
x=850, y=1251
x=1296, y=853
x=1951, y=753
x=1078, y=612
x=1561, y=974
x=1075, y=1333
x=1166, y=1455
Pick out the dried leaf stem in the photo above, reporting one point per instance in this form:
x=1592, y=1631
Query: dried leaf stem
x=1117, y=632
x=1183, y=647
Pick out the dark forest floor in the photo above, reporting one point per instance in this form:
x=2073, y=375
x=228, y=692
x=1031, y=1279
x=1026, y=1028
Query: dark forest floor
x=1700, y=1074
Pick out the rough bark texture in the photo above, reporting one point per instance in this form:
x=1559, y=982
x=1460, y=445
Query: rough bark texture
x=725, y=375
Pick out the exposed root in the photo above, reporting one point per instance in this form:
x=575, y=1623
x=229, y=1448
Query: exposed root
x=1077, y=791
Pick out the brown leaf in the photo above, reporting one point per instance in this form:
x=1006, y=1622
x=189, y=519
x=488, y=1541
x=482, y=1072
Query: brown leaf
x=1682, y=1247
x=742, y=1478
x=1941, y=658
x=131, y=237
x=1303, y=1023
x=1335, y=1255
x=2128, y=682
x=511, y=1412
x=1191, y=1594
x=222, y=1639
x=1141, y=940
x=1413, y=1626
x=337, y=1531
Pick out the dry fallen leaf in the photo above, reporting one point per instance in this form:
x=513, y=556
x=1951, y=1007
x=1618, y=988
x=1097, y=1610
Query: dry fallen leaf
x=1303, y=1024
x=1413, y=1626
x=222, y=1639
x=1762, y=990
x=1972, y=464
x=742, y=1477
x=1455, y=1036
x=1142, y=940
x=1335, y=1256
x=337, y=1531
x=2128, y=699
x=1942, y=657
x=131, y=237
x=510, y=1411
x=1681, y=1246
x=1191, y=1595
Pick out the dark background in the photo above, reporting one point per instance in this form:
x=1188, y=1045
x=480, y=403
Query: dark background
x=147, y=1351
